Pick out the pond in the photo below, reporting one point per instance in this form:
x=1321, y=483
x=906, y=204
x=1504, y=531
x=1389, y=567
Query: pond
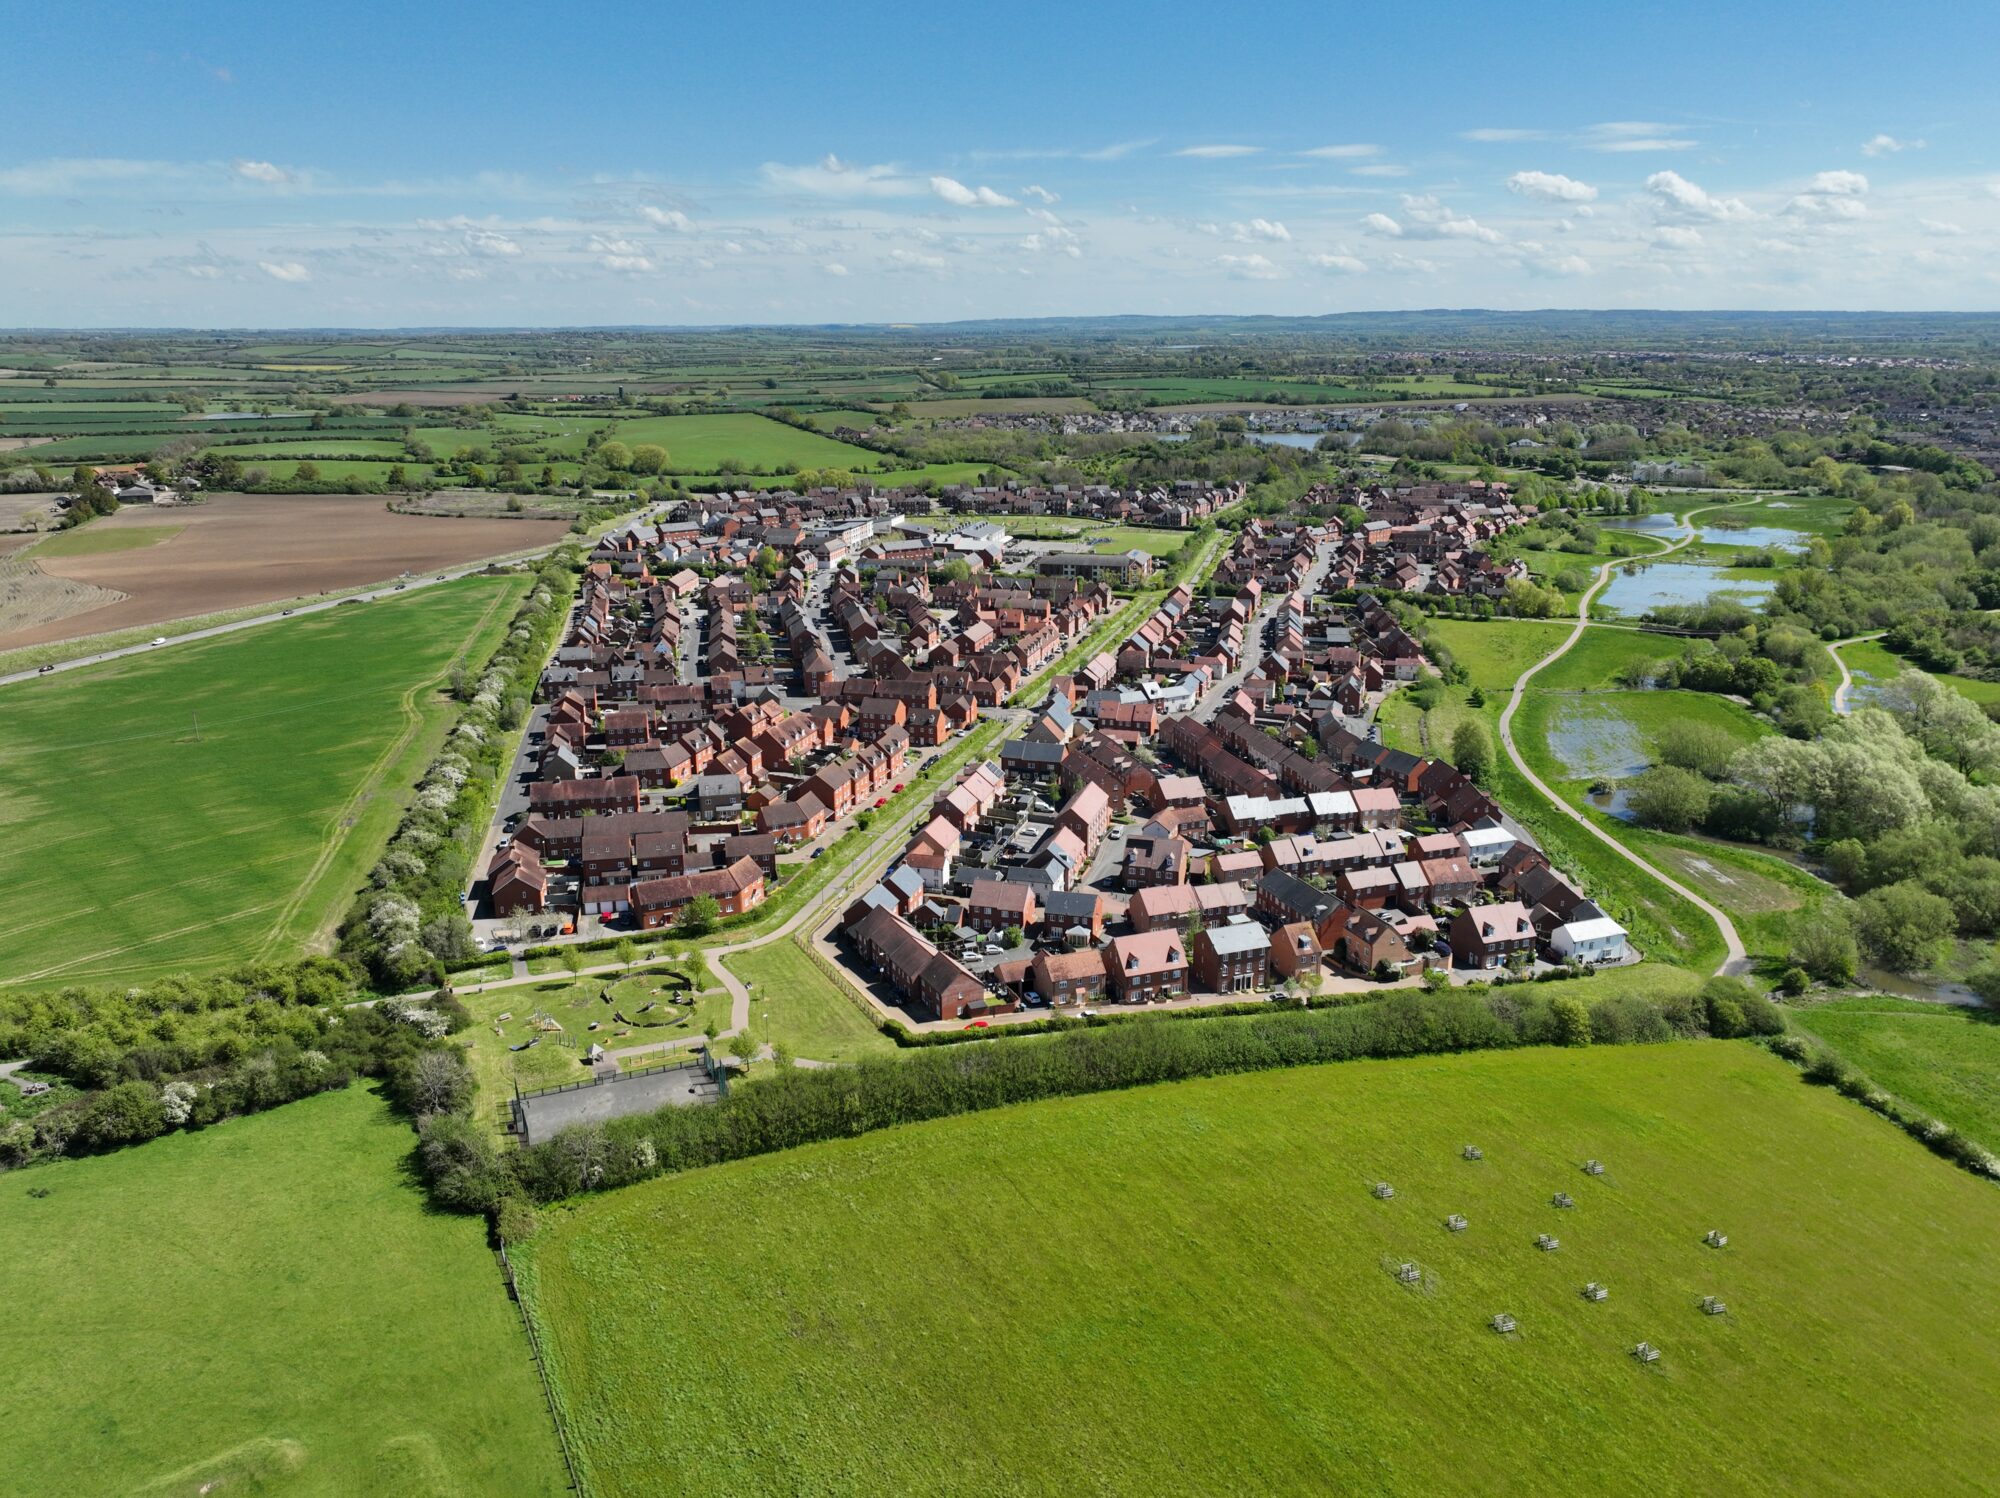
x=1634, y=590
x=1663, y=525
x=1753, y=535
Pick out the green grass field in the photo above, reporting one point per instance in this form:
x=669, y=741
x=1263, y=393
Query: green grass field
x=794, y=1003
x=92, y=541
x=131, y=845
x=265, y=1306
x=1595, y=661
x=1186, y=1288
x=1873, y=665
x=1941, y=1058
x=703, y=444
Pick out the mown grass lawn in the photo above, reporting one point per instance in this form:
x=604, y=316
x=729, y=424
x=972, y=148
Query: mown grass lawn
x=266, y=1306
x=794, y=1003
x=1939, y=1057
x=1186, y=1288
x=1873, y=665
x=134, y=841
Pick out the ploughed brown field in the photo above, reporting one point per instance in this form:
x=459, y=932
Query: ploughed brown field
x=235, y=550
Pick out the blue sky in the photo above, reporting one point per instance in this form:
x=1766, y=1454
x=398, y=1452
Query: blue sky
x=377, y=165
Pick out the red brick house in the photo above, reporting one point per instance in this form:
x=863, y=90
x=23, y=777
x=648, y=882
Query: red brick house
x=1486, y=936
x=1150, y=966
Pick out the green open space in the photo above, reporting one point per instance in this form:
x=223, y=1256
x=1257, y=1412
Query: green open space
x=796, y=1003
x=91, y=541
x=264, y=1306
x=220, y=801
x=1190, y=1287
x=1873, y=665
x=1942, y=1058
x=707, y=444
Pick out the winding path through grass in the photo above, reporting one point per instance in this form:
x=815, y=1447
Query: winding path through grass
x=1737, y=961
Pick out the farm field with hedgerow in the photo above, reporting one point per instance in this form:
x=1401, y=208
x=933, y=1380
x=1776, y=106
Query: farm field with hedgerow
x=1190, y=1287
x=267, y=1305
x=220, y=801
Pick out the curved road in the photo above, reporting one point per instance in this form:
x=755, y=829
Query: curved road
x=1737, y=961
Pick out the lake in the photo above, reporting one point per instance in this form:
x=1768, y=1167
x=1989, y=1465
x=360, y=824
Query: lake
x=1637, y=589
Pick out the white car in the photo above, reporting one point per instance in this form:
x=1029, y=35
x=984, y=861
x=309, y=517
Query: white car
x=161, y=640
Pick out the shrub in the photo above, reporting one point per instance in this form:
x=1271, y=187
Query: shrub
x=1572, y=1020
x=1794, y=981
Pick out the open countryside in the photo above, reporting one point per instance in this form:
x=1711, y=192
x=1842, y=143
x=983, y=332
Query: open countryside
x=1231, y=787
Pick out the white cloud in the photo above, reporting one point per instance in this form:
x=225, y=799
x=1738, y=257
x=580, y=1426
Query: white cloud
x=1501, y=134
x=830, y=177
x=72, y=174
x=204, y=271
x=1343, y=153
x=1039, y=193
x=285, y=270
x=1836, y=195
x=1381, y=169
x=915, y=260
x=1633, y=135
x=630, y=264
x=1347, y=265
x=1551, y=187
x=1249, y=267
x=1888, y=145
x=1675, y=192
x=1381, y=223
x=956, y=192
x=1677, y=236
x=1262, y=228
x=834, y=268
x=1431, y=219
x=1539, y=260
x=1217, y=153
x=665, y=218
x=1940, y=227
x=262, y=171
x=608, y=246
x=486, y=242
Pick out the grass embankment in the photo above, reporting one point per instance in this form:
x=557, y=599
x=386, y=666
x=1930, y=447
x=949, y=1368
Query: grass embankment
x=1940, y=1058
x=1187, y=1286
x=794, y=1003
x=222, y=800
x=266, y=1306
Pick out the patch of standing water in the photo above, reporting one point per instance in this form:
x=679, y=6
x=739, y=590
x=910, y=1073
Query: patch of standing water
x=1778, y=536
x=1662, y=525
x=1637, y=588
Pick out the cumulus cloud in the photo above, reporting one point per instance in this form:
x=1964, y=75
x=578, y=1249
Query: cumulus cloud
x=830, y=177
x=1431, y=219
x=1039, y=193
x=262, y=171
x=1262, y=228
x=1540, y=260
x=1249, y=267
x=1217, y=153
x=1551, y=187
x=665, y=218
x=1674, y=192
x=604, y=245
x=834, y=268
x=955, y=192
x=1344, y=264
x=629, y=264
x=1677, y=236
x=1381, y=223
x=1888, y=145
x=285, y=270
x=1343, y=153
x=915, y=260
x=1834, y=195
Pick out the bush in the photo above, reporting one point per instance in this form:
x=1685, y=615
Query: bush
x=1904, y=926
x=1795, y=981
x=1572, y=1020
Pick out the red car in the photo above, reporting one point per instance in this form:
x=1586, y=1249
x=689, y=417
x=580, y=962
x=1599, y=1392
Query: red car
x=978, y=1024
x=881, y=800
x=899, y=785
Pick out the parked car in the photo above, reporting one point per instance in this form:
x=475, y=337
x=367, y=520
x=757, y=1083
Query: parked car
x=816, y=853
x=161, y=640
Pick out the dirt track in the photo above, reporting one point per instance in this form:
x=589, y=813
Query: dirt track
x=239, y=549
